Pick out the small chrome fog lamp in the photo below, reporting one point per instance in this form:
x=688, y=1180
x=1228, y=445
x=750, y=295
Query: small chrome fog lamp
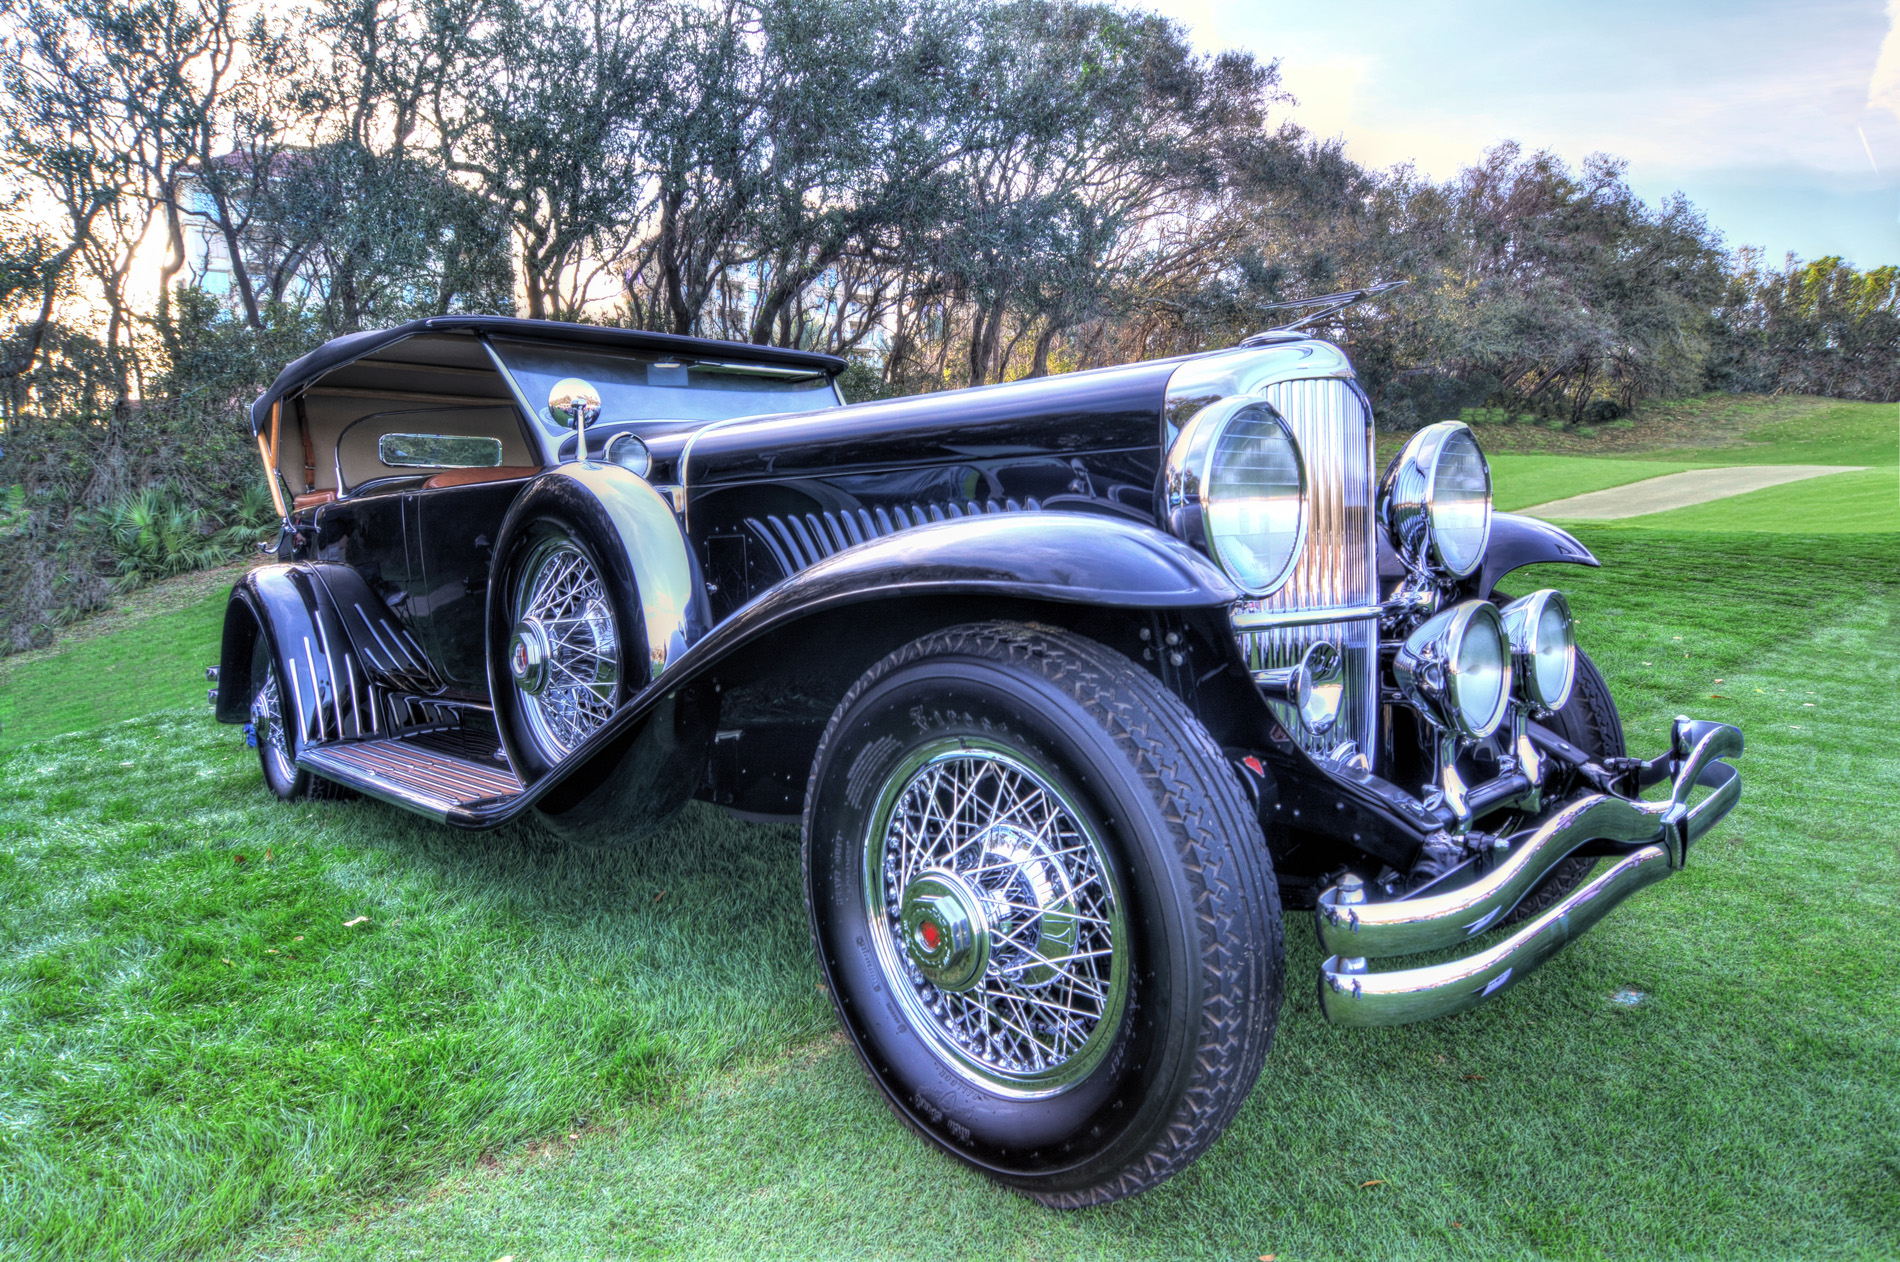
x=1456, y=668
x=1435, y=501
x=1315, y=688
x=1543, y=648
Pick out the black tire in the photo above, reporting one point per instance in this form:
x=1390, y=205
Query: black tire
x=1164, y=831
x=533, y=749
x=277, y=742
x=1590, y=722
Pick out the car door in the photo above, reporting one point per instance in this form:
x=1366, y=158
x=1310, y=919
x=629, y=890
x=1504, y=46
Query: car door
x=455, y=537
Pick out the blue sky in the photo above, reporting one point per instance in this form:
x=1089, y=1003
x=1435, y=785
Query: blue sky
x=1780, y=120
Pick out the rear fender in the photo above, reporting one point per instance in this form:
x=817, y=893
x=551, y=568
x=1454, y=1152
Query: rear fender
x=335, y=645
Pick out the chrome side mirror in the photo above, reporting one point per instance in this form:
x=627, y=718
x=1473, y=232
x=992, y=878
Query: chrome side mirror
x=575, y=404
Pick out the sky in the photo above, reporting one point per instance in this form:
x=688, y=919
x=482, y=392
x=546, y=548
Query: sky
x=1781, y=121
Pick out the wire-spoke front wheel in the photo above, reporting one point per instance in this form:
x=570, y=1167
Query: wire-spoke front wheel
x=1044, y=907
x=992, y=896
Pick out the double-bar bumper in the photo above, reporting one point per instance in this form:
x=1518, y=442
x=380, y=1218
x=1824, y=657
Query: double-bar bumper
x=1651, y=840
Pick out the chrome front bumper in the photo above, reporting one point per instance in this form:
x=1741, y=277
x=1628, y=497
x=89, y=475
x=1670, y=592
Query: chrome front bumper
x=1650, y=839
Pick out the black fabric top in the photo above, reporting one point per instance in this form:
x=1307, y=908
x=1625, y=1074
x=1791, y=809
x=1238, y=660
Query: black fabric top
x=339, y=351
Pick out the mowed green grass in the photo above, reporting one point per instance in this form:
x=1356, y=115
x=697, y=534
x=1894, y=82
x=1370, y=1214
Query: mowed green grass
x=1520, y=481
x=1833, y=432
x=159, y=662
x=1842, y=503
x=538, y=1051
x=1836, y=433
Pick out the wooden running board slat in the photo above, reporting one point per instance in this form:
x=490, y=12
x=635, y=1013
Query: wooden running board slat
x=399, y=772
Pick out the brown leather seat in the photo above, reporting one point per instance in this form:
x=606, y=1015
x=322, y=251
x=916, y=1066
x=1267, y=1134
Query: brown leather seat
x=469, y=477
x=312, y=499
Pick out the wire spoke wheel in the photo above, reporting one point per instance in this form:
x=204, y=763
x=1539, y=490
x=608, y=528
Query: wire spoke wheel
x=267, y=725
x=996, y=918
x=564, y=653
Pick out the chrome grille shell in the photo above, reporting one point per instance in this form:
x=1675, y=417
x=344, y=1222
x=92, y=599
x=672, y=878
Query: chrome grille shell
x=1333, y=591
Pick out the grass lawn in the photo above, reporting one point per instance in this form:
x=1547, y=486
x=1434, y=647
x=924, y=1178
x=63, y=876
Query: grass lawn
x=1840, y=503
x=1719, y=429
x=106, y=678
x=1535, y=466
x=533, y=1050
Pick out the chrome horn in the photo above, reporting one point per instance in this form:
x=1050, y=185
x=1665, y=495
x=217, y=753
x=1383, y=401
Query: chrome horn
x=1315, y=687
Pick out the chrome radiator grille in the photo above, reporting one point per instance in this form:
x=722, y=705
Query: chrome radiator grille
x=1333, y=593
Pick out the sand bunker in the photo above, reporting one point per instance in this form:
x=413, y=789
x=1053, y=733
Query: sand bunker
x=1679, y=490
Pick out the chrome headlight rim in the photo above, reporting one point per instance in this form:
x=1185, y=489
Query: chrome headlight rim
x=1410, y=500
x=1426, y=667
x=1188, y=478
x=1523, y=623
x=630, y=452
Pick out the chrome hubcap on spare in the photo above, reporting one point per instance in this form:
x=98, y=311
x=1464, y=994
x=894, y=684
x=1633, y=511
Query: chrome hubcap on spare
x=564, y=653
x=996, y=918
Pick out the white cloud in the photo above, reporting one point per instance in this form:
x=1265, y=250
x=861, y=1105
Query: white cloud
x=1883, y=89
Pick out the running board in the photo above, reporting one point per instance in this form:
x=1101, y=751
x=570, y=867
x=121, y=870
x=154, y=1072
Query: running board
x=403, y=773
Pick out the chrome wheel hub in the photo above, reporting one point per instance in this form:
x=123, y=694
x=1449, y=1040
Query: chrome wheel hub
x=996, y=918
x=945, y=930
x=528, y=656
x=564, y=652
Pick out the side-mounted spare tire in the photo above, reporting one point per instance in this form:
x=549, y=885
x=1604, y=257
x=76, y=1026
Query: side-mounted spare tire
x=568, y=645
x=1044, y=908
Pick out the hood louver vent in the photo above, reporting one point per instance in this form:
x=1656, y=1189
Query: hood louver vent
x=800, y=540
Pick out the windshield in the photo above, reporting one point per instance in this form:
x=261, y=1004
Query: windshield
x=649, y=386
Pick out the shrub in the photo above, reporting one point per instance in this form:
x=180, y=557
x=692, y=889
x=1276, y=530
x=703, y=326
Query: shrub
x=155, y=533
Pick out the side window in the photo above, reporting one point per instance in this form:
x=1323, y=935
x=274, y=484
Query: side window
x=438, y=451
x=405, y=443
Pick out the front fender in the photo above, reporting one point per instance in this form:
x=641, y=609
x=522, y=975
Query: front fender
x=1074, y=558
x=1069, y=558
x=1517, y=541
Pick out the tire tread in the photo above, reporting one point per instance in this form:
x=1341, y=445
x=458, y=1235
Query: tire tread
x=1222, y=851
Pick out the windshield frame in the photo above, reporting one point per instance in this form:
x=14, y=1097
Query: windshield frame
x=555, y=439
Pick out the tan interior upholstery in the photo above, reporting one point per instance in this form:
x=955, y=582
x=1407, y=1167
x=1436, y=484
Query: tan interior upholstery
x=312, y=499
x=469, y=477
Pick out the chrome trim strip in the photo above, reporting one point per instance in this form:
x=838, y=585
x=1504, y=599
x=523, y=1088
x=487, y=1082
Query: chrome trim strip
x=1253, y=619
x=1435, y=921
x=1348, y=996
x=316, y=689
x=356, y=702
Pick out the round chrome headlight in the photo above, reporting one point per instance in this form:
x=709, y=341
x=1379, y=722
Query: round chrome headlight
x=1543, y=646
x=1456, y=668
x=1436, y=499
x=1236, y=487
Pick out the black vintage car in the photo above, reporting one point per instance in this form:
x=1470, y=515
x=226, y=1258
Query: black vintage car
x=1074, y=683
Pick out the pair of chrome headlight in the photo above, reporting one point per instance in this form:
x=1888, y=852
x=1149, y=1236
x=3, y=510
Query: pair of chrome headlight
x=1461, y=666
x=1236, y=487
